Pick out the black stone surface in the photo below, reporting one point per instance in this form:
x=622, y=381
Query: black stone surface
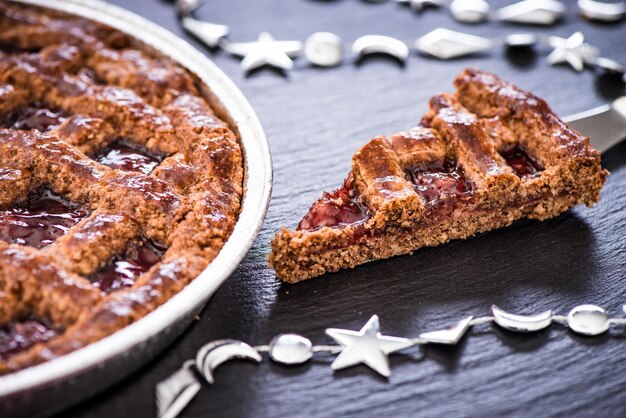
x=315, y=119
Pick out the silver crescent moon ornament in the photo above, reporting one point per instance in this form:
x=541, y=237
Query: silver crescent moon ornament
x=451, y=335
x=601, y=11
x=521, y=323
x=217, y=352
x=588, y=320
x=174, y=393
x=324, y=49
x=380, y=44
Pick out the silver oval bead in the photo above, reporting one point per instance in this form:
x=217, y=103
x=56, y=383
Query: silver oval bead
x=290, y=349
x=469, y=11
x=324, y=49
x=186, y=7
x=602, y=11
x=588, y=320
x=521, y=40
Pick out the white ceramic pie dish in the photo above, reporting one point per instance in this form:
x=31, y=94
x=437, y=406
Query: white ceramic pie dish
x=54, y=385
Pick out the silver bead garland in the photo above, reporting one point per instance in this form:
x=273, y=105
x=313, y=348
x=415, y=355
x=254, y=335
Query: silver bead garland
x=366, y=346
x=325, y=49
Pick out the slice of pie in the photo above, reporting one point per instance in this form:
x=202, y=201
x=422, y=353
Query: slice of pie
x=118, y=182
x=480, y=159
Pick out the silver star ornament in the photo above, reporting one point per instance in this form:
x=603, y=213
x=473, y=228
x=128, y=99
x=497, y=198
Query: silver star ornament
x=265, y=51
x=573, y=50
x=366, y=346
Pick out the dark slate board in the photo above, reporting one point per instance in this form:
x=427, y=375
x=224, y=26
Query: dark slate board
x=315, y=119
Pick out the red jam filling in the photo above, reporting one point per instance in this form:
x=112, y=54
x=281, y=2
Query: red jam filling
x=123, y=269
x=44, y=218
x=35, y=117
x=336, y=209
x=439, y=181
x=20, y=335
x=521, y=163
x=126, y=156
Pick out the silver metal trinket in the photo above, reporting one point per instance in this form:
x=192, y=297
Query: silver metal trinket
x=469, y=11
x=573, y=51
x=324, y=49
x=265, y=51
x=609, y=65
x=533, y=12
x=521, y=40
x=366, y=346
x=174, y=393
x=290, y=349
x=521, y=323
x=187, y=7
x=601, y=11
x=217, y=352
x=210, y=34
x=451, y=335
x=380, y=44
x=588, y=320
x=447, y=44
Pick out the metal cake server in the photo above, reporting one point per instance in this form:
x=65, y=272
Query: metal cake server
x=605, y=125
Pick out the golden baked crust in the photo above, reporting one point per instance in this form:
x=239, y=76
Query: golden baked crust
x=480, y=159
x=106, y=90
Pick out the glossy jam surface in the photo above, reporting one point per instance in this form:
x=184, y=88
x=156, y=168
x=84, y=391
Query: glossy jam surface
x=129, y=157
x=439, y=181
x=521, y=163
x=41, y=220
x=123, y=269
x=20, y=335
x=34, y=117
x=339, y=208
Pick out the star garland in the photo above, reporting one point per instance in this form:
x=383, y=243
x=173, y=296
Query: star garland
x=325, y=49
x=366, y=346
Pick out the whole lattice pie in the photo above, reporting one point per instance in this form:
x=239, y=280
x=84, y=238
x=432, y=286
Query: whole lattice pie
x=118, y=183
x=480, y=159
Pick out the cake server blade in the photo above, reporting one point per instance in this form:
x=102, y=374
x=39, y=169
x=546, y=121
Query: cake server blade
x=604, y=125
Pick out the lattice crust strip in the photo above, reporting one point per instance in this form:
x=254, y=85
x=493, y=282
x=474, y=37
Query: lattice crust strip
x=97, y=89
x=480, y=159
